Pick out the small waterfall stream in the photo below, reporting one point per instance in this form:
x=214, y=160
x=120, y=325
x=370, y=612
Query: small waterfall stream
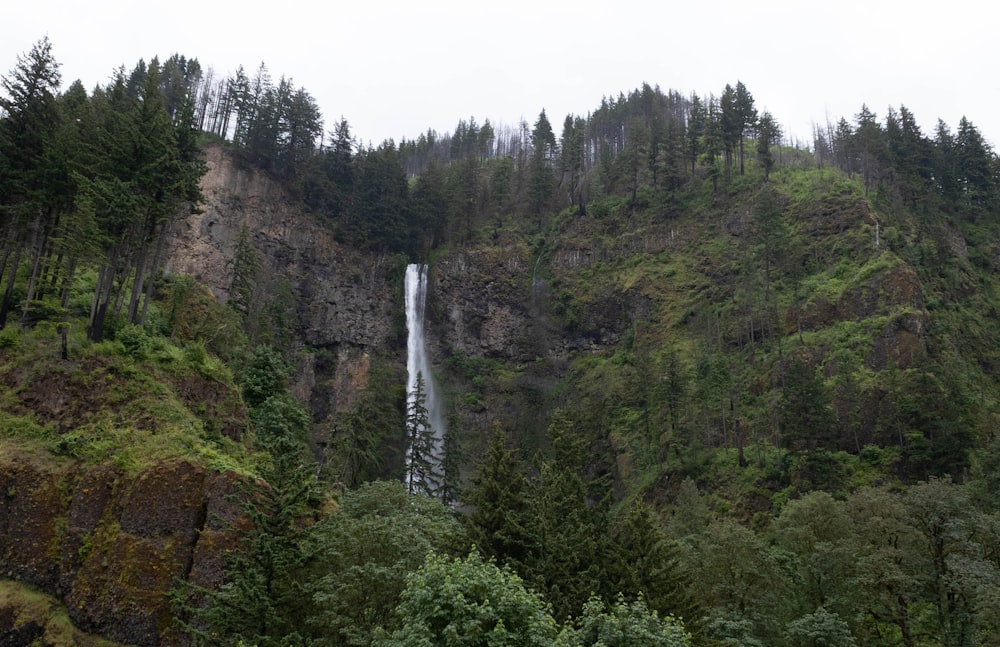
x=417, y=363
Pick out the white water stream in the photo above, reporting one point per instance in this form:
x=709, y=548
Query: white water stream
x=417, y=363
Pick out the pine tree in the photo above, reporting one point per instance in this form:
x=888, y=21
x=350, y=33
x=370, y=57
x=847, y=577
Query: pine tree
x=543, y=152
x=807, y=420
x=746, y=116
x=567, y=518
x=422, y=461
x=731, y=125
x=768, y=133
x=771, y=234
x=870, y=147
x=695, y=133
x=498, y=498
x=571, y=158
x=645, y=564
x=244, y=269
x=975, y=163
x=30, y=119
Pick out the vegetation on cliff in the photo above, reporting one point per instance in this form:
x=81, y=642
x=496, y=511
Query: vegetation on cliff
x=713, y=377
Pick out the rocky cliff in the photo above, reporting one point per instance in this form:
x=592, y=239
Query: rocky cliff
x=348, y=304
x=110, y=544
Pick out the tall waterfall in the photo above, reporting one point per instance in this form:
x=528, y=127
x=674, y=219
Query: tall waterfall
x=415, y=297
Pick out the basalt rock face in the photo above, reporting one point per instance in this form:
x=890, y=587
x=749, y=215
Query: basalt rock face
x=480, y=304
x=349, y=304
x=111, y=545
x=343, y=295
x=344, y=302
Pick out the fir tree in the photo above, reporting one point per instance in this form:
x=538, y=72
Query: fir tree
x=498, y=499
x=244, y=269
x=421, y=470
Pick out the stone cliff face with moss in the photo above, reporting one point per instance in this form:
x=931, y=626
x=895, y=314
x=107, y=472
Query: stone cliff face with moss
x=110, y=544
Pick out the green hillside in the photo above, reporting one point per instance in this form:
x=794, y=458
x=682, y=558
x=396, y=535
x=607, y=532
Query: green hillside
x=702, y=386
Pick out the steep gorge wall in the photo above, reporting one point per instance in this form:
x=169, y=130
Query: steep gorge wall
x=109, y=544
x=344, y=304
x=349, y=304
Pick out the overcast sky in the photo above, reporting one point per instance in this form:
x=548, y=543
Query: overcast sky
x=395, y=68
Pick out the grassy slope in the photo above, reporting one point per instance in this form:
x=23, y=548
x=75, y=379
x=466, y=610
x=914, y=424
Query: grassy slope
x=105, y=403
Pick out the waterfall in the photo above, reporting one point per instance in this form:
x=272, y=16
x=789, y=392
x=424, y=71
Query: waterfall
x=417, y=363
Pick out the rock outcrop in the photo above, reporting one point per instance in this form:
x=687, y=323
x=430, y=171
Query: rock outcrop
x=109, y=544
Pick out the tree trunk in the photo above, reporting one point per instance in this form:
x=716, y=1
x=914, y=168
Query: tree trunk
x=102, y=297
x=161, y=243
x=37, y=243
x=8, y=294
x=137, y=283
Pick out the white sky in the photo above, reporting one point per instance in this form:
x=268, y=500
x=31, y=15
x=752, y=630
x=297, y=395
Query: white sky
x=395, y=68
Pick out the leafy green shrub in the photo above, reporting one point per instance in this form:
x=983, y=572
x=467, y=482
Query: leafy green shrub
x=624, y=623
x=10, y=337
x=195, y=353
x=135, y=341
x=469, y=602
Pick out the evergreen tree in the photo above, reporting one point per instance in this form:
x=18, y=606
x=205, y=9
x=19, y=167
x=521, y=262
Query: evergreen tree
x=300, y=126
x=672, y=160
x=244, y=269
x=946, y=173
x=379, y=218
x=695, y=133
x=768, y=133
x=771, y=234
x=261, y=601
x=870, y=147
x=567, y=518
x=463, y=189
x=975, y=163
x=498, y=502
x=364, y=445
x=486, y=140
x=30, y=118
x=844, y=148
x=746, y=116
x=265, y=375
x=30, y=115
x=911, y=155
x=543, y=143
x=571, y=158
x=633, y=158
x=731, y=125
x=807, y=421
x=646, y=565
x=422, y=473
x=714, y=139
x=328, y=184
x=430, y=206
